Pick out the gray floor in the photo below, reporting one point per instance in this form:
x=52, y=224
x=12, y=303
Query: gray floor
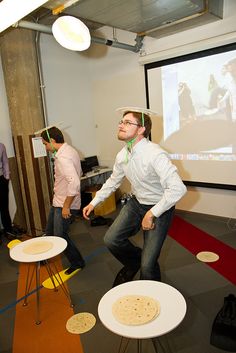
x=203, y=288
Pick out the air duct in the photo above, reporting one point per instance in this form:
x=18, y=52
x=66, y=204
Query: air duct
x=112, y=43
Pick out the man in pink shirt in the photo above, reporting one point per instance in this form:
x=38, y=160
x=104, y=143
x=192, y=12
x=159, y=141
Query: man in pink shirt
x=66, y=200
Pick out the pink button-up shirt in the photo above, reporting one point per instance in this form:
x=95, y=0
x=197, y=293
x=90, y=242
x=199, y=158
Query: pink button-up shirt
x=67, y=173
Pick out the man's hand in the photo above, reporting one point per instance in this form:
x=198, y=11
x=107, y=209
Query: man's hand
x=87, y=210
x=148, y=221
x=66, y=212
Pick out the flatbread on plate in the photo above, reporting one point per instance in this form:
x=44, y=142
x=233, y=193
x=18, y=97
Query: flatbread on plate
x=80, y=323
x=135, y=309
x=38, y=247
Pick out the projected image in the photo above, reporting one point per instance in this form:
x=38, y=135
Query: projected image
x=195, y=98
x=200, y=90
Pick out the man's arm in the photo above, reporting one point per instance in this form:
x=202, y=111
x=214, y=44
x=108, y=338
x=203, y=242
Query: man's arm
x=5, y=164
x=111, y=185
x=66, y=206
x=173, y=187
x=87, y=210
x=73, y=186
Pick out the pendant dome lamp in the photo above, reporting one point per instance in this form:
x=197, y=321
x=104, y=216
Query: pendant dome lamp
x=71, y=33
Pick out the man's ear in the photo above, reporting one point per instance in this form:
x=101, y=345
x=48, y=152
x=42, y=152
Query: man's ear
x=141, y=130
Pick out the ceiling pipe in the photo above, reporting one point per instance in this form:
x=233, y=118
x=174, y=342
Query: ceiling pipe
x=112, y=43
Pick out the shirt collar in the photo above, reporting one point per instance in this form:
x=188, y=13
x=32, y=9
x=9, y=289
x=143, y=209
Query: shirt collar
x=140, y=145
x=61, y=149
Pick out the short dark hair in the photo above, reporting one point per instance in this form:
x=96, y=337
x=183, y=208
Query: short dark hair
x=54, y=133
x=147, y=121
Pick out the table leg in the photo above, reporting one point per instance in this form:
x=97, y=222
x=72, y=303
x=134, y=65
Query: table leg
x=157, y=341
x=28, y=283
x=125, y=346
x=139, y=343
x=53, y=273
x=37, y=293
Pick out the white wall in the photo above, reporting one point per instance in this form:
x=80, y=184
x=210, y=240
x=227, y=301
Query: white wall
x=116, y=80
x=67, y=81
x=84, y=89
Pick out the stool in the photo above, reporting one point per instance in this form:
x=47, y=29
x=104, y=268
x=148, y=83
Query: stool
x=17, y=253
x=172, y=311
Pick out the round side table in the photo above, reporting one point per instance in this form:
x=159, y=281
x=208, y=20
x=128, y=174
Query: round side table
x=172, y=309
x=17, y=253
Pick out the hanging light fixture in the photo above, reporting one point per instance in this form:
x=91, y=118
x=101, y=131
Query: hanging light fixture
x=71, y=33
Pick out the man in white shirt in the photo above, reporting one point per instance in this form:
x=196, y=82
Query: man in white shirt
x=155, y=189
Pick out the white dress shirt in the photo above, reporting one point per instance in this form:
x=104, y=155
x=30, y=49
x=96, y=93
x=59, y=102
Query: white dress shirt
x=154, y=179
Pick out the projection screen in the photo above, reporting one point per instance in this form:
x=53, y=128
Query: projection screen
x=195, y=98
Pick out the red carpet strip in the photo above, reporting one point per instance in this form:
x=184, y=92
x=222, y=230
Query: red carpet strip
x=51, y=335
x=196, y=240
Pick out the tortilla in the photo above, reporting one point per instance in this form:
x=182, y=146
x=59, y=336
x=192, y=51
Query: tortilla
x=135, y=309
x=80, y=323
x=207, y=256
x=38, y=247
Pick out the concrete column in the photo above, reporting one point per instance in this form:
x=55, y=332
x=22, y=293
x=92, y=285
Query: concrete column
x=20, y=69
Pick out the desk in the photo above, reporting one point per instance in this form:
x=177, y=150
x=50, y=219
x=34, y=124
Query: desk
x=17, y=253
x=172, y=309
x=89, y=185
x=103, y=172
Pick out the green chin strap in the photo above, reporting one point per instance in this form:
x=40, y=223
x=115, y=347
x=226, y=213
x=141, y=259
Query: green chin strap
x=142, y=119
x=129, y=147
x=53, y=148
x=131, y=142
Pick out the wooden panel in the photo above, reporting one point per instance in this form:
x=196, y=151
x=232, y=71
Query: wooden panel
x=20, y=69
x=26, y=185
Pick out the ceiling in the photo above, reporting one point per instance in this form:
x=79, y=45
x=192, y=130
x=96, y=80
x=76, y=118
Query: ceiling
x=155, y=18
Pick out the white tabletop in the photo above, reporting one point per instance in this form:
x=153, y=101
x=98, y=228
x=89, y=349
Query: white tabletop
x=95, y=173
x=172, y=309
x=17, y=252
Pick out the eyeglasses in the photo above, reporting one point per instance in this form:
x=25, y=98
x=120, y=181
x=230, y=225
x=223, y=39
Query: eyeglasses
x=127, y=123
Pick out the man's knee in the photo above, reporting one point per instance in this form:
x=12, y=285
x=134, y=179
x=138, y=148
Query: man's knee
x=107, y=239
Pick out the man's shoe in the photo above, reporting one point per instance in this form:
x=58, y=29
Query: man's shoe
x=74, y=268
x=12, y=233
x=18, y=230
x=124, y=275
x=10, y=236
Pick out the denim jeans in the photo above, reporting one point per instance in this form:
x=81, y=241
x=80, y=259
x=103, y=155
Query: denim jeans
x=59, y=226
x=126, y=225
x=4, y=204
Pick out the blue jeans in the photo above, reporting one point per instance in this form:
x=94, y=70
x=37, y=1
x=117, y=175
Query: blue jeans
x=59, y=226
x=126, y=225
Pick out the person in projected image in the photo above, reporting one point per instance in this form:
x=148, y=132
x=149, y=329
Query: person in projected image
x=186, y=108
x=66, y=199
x=155, y=189
x=215, y=91
x=229, y=70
